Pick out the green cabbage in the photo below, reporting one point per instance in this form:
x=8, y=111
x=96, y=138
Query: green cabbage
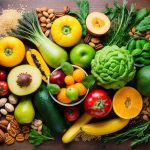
x=113, y=67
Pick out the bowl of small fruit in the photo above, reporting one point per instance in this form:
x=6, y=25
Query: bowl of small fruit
x=66, y=85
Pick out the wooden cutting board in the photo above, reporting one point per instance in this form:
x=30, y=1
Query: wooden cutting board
x=95, y=5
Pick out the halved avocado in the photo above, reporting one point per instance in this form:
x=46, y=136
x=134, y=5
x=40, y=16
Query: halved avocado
x=24, y=79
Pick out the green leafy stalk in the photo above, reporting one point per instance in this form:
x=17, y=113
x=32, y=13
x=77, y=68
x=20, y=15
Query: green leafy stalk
x=37, y=139
x=139, y=134
x=81, y=14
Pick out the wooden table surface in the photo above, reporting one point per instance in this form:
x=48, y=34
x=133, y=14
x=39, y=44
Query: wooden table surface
x=95, y=5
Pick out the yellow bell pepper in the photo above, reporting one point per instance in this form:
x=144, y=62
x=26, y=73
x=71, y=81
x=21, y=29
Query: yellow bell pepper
x=12, y=51
x=66, y=31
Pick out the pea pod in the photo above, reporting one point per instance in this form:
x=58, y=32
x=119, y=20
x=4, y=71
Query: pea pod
x=143, y=42
x=146, y=46
x=139, y=44
x=131, y=46
x=142, y=13
x=145, y=54
x=136, y=52
x=142, y=60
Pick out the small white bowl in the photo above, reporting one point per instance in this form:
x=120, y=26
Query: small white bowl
x=75, y=102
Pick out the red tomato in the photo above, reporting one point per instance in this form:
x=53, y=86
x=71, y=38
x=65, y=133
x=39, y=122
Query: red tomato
x=71, y=113
x=3, y=88
x=3, y=75
x=98, y=103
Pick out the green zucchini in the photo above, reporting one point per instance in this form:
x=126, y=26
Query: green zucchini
x=48, y=111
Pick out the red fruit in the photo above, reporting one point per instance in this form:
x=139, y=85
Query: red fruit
x=71, y=113
x=58, y=77
x=3, y=88
x=98, y=103
x=3, y=75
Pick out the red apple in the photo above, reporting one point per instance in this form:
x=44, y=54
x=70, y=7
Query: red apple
x=57, y=77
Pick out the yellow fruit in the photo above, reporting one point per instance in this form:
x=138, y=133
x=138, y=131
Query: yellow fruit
x=69, y=80
x=62, y=96
x=81, y=89
x=74, y=130
x=78, y=75
x=105, y=127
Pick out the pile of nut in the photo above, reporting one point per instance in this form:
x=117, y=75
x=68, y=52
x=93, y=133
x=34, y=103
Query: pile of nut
x=7, y=104
x=11, y=130
x=93, y=41
x=47, y=16
x=37, y=124
x=133, y=32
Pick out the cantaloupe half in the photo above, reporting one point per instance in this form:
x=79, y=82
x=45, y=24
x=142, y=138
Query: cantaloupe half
x=97, y=23
x=127, y=102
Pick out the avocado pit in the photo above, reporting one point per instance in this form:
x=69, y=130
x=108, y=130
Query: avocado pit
x=24, y=79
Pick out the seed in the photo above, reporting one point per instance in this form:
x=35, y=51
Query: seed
x=45, y=14
x=39, y=15
x=50, y=11
x=43, y=19
x=43, y=24
x=92, y=44
x=47, y=33
x=95, y=40
x=43, y=29
x=48, y=25
x=50, y=16
x=48, y=20
x=130, y=34
x=145, y=117
x=44, y=9
x=133, y=30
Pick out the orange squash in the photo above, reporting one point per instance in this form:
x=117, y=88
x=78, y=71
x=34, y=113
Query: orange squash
x=127, y=102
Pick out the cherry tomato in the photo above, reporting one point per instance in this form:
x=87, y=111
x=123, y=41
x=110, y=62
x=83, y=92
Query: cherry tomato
x=3, y=88
x=71, y=113
x=3, y=75
x=98, y=103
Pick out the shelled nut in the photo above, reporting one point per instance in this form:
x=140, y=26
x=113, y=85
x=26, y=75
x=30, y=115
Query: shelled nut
x=3, y=101
x=92, y=44
x=9, y=117
x=47, y=33
x=26, y=136
x=2, y=136
x=99, y=46
x=20, y=138
x=25, y=129
x=3, y=111
x=9, y=107
x=9, y=140
x=66, y=9
x=95, y=40
x=13, y=99
x=43, y=19
x=37, y=122
x=50, y=11
x=87, y=38
x=4, y=122
x=45, y=14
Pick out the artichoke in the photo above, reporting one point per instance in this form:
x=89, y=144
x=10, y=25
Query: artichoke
x=113, y=67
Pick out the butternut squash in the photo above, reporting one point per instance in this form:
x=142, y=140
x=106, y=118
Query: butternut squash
x=34, y=58
x=105, y=127
x=127, y=102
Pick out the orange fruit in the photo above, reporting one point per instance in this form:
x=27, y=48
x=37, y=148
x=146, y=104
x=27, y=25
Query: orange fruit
x=78, y=75
x=62, y=96
x=69, y=80
x=81, y=88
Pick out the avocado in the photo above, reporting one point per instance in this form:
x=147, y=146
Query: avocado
x=143, y=81
x=24, y=79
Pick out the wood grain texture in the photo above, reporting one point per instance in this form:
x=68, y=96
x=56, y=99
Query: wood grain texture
x=95, y=5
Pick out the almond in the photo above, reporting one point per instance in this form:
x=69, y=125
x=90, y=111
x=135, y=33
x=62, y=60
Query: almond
x=48, y=25
x=43, y=9
x=92, y=44
x=48, y=20
x=43, y=19
x=39, y=15
x=45, y=14
x=2, y=136
x=50, y=11
x=50, y=16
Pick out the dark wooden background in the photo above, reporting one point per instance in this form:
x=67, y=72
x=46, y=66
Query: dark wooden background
x=95, y=5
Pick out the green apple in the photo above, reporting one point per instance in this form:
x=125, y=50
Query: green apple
x=82, y=55
x=72, y=93
x=24, y=112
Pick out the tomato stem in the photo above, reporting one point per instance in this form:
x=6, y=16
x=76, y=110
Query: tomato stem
x=100, y=105
x=8, y=51
x=66, y=30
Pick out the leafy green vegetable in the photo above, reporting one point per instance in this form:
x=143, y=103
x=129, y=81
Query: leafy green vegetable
x=144, y=25
x=67, y=68
x=89, y=81
x=121, y=20
x=37, y=139
x=82, y=14
x=139, y=134
x=113, y=67
x=53, y=88
x=28, y=28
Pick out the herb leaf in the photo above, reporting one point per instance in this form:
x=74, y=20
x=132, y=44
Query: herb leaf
x=89, y=81
x=37, y=139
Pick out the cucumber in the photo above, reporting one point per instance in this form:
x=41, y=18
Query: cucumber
x=48, y=111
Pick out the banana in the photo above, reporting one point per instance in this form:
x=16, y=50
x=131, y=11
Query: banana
x=105, y=127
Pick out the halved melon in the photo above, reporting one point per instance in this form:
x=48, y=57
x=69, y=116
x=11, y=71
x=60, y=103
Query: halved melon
x=24, y=79
x=97, y=23
x=127, y=103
